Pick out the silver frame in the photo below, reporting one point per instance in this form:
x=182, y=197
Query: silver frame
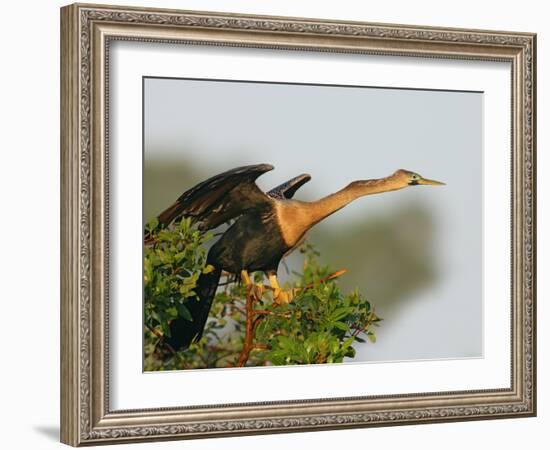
x=86, y=31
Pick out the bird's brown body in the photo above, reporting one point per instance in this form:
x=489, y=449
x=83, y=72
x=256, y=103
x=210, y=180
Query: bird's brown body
x=266, y=227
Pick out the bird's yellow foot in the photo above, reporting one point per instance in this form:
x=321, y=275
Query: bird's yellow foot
x=282, y=296
x=245, y=278
x=257, y=290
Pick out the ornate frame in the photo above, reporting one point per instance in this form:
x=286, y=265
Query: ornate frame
x=86, y=31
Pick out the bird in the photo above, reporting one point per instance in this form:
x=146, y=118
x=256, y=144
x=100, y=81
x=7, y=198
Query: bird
x=266, y=226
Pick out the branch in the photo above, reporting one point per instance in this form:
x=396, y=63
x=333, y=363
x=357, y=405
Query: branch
x=150, y=241
x=261, y=347
x=254, y=316
x=161, y=339
x=253, y=319
x=265, y=312
x=333, y=275
x=248, y=342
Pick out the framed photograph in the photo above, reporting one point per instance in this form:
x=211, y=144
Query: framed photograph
x=276, y=224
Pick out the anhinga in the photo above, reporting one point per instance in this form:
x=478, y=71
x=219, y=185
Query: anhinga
x=266, y=227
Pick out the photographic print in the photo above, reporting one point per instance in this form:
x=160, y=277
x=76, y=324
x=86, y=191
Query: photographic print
x=278, y=224
x=289, y=224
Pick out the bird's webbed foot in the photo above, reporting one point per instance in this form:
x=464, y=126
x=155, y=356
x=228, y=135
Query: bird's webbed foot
x=256, y=289
x=283, y=296
x=280, y=296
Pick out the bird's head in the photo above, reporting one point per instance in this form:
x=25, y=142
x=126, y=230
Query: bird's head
x=408, y=178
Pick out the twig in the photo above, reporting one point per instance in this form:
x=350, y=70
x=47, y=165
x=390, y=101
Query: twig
x=254, y=317
x=248, y=341
x=333, y=275
x=236, y=308
x=356, y=332
x=149, y=241
x=161, y=337
x=261, y=347
x=265, y=312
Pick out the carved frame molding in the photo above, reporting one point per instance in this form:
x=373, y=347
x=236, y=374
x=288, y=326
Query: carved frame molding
x=86, y=31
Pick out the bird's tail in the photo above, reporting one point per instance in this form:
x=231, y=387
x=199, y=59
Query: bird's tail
x=182, y=331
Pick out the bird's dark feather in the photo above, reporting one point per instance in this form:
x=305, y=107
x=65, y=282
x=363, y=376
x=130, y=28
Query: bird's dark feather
x=230, y=195
x=183, y=331
x=220, y=198
x=288, y=189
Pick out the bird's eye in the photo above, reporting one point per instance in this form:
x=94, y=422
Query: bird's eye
x=415, y=176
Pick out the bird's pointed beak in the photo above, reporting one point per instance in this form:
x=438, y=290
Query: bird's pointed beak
x=430, y=182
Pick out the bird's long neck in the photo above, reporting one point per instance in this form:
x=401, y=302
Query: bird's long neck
x=296, y=218
x=328, y=205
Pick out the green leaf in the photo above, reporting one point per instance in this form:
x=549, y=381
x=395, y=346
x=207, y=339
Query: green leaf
x=209, y=268
x=313, y=328
x=348, y=342
x=340, y=313
x=184, y=312
x=341, y=326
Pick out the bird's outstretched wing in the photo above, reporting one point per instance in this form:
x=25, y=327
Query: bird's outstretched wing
x=220, y=198
x=288, y=189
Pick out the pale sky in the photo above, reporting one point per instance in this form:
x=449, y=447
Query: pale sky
x=340, y=134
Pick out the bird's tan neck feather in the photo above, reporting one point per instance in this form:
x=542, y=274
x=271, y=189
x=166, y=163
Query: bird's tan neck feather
x=296, y=218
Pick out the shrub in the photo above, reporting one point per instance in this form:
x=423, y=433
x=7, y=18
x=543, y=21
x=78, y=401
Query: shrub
x=246, y=327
